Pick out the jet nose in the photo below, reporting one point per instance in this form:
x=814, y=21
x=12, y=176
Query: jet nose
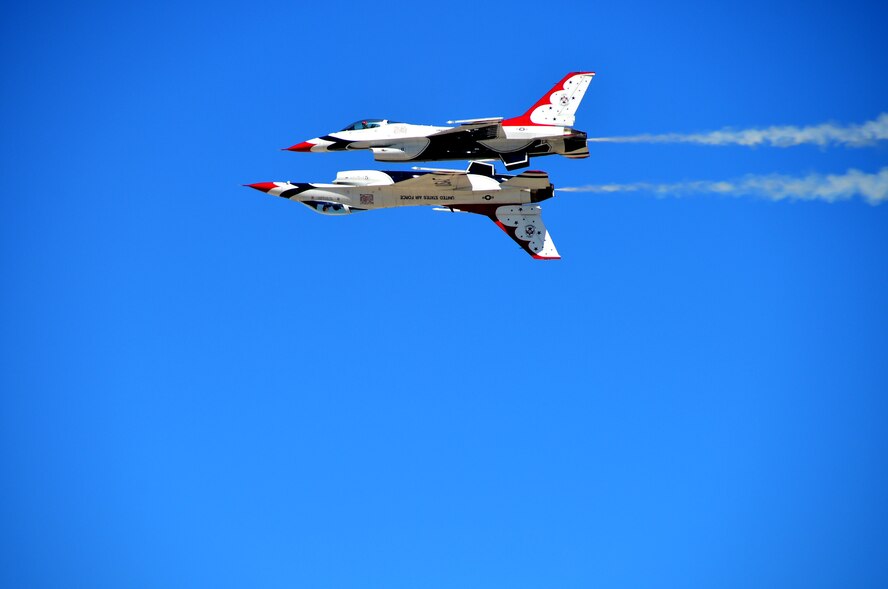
x=304, y=146
x=263, y=186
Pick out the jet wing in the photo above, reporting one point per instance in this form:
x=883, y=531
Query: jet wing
x=484, y=121
x=437, y=181
x=475, y=131
x=523, y=223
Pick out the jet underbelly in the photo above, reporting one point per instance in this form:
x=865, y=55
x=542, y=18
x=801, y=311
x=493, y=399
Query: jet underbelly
x=400, y=151
x=506, y=145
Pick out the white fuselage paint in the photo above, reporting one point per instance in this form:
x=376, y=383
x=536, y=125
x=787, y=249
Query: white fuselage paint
x=385, y=194
x=366, y=138
x=405, y=142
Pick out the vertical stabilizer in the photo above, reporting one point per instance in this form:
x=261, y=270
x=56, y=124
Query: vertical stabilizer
x=559, y=105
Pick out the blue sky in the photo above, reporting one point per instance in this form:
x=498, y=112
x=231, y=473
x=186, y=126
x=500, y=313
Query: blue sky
x=206, y=387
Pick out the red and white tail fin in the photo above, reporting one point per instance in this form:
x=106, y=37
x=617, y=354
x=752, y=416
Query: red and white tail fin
x=559, y=106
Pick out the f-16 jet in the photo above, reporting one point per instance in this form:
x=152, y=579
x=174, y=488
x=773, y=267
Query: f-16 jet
x=545, y=129
x=509, y=201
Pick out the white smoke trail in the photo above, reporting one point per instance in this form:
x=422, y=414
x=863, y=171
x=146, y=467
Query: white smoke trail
x=830, y=188
x=862, y=135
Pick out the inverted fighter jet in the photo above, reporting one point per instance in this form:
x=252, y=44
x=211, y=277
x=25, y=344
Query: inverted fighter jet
x=545, y=129
x=509, y=201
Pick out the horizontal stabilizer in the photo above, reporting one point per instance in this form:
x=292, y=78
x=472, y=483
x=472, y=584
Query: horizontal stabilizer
x=531, y=179
x=481, y=169
x=515, y=159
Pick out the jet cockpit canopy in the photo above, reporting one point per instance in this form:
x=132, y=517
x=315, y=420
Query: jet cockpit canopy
x=366, y=124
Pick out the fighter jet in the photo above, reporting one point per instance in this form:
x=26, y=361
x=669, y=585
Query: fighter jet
x=509, y=201
x=545, y=129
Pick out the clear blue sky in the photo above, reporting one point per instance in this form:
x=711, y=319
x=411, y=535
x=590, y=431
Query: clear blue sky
x=203, y=386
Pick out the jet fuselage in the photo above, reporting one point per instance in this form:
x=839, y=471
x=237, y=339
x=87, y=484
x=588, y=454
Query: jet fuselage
x=509, y=201
x=371, y=189
x=545, y=129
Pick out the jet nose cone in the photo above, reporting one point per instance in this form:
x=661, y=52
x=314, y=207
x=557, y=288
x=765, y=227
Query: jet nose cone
x=304, y=146
x=262, y=186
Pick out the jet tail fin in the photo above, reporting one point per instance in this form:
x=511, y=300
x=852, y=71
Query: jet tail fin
x=559, y=105
x=523, y=223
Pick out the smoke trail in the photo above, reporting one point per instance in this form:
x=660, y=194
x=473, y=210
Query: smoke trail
x=830, y=188
x=861, y=135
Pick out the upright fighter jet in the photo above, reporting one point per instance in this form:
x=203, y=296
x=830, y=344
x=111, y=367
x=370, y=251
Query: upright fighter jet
x=545, y=129
x=509, y=201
